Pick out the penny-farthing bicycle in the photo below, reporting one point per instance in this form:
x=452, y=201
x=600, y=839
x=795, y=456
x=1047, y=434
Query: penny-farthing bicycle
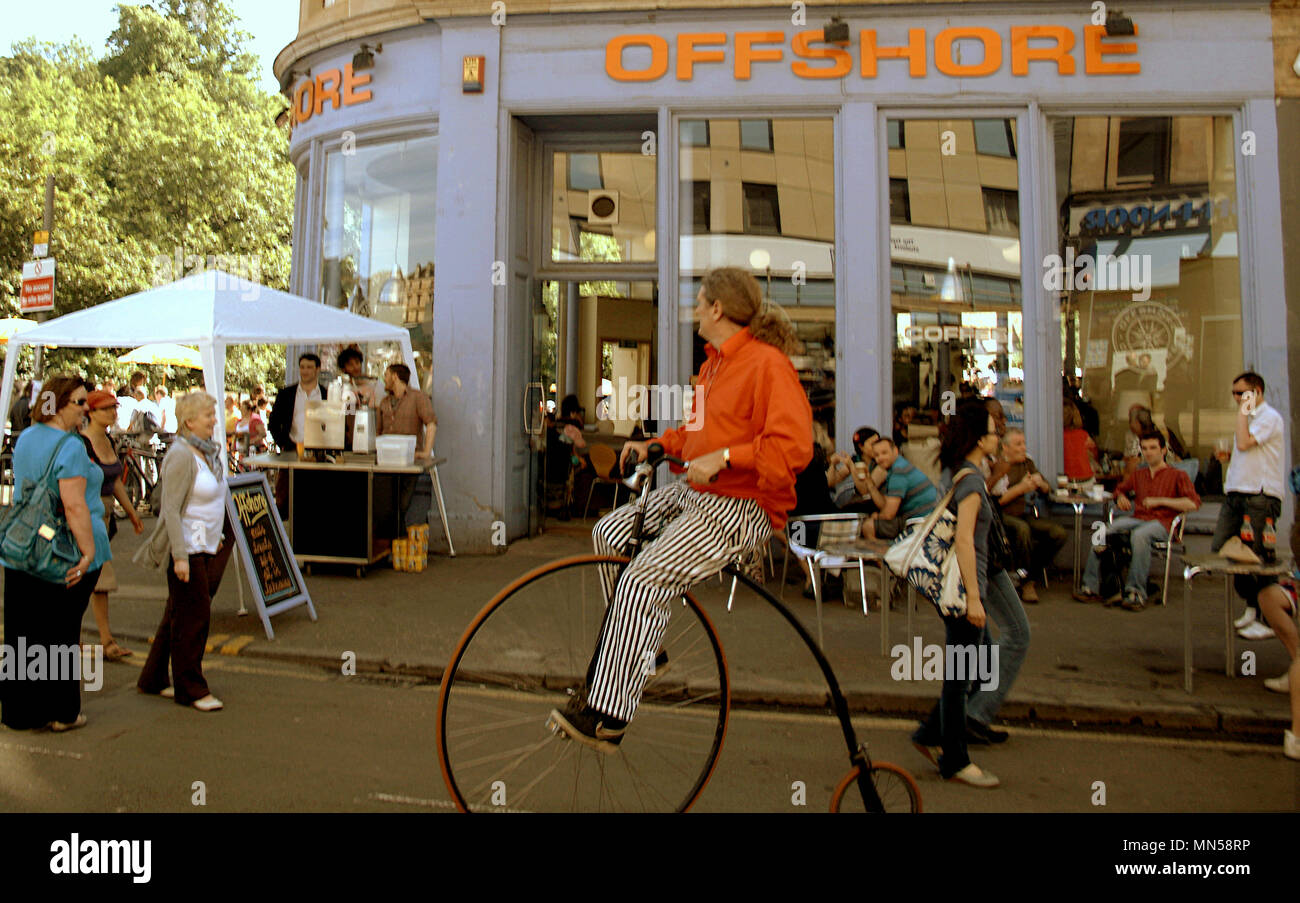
x=528, y=651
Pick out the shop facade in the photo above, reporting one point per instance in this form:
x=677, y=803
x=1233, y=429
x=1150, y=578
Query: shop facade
x=979, y=198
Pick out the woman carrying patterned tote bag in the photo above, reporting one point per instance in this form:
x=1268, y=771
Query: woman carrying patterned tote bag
x=942, y=736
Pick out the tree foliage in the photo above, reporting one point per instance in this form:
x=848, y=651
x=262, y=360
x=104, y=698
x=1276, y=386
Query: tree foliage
x=164, y=145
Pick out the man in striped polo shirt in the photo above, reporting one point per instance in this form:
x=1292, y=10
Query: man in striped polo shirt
x=906, y=493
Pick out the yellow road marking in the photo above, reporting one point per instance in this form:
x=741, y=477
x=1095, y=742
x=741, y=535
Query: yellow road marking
x=236, y=645
x=215, y=641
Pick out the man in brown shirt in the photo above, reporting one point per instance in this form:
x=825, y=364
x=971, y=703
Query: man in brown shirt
x=1034, y=540
x=406, y=411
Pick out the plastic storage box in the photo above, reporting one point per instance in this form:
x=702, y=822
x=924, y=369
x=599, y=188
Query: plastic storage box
x=395, y=451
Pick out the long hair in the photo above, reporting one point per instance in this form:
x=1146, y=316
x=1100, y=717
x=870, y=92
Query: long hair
x=742, y=301
x=966, y=428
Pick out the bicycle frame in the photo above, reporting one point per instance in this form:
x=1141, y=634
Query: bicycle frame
x=640, y=484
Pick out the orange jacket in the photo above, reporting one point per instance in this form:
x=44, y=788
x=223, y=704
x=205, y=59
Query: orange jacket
x=748, y=398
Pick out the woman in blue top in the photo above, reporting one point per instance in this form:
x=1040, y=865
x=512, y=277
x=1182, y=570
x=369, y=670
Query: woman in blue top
x=40, y=614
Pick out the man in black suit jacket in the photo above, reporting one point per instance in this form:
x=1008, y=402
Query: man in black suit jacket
x=284, y=412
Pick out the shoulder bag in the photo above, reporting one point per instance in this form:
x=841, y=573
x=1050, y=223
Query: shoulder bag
x=921, y=554
x=34, y=534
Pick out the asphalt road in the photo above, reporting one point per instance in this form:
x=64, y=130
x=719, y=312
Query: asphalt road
x=301, y=740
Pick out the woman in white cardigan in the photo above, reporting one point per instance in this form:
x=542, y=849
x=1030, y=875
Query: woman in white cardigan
x=193, y=541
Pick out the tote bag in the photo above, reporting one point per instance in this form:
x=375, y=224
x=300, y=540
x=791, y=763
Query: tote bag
x=922, y=554
x=34, y=534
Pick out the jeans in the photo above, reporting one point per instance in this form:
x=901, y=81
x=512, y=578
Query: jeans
x=1002, y=605
x=946, y=724
x=1235, y=506
x=1141, y=534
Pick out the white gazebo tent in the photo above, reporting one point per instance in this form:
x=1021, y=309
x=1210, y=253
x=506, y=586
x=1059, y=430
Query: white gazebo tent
x=212, y=310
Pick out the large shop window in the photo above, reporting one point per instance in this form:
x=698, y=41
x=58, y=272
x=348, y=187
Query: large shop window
x=378, y=240
x=769, y=187
x=1149, y=275
x=955, y=291
x=603, y=207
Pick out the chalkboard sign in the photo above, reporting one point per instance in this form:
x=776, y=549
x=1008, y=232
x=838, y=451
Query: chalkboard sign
x=264, y=548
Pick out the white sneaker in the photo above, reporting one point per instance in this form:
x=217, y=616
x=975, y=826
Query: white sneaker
x=1246, y=619
x=1279, y=684
x=1291, y=745
x=974, y=776
x=1256, y=631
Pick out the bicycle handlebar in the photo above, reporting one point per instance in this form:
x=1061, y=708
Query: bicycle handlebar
x=656, y=455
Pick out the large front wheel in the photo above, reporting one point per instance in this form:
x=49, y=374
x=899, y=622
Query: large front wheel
x=526, y=653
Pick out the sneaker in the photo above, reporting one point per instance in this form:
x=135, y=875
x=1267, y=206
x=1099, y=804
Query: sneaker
x=60, y=727
x=1028, y=593
x=1085, y=595
x=982, y=734
x=973, y=775
x=1291, y=745
x=208, y=703
x=1279, y=684
x=1256, y=631
x=1133, y=602
x=588, y=726
x=1246, y=619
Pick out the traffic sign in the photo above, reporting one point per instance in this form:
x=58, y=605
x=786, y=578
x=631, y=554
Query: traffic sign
x=40, y=244
x=38, y=285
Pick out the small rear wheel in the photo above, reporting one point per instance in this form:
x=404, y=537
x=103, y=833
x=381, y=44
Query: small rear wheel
x=894, y=785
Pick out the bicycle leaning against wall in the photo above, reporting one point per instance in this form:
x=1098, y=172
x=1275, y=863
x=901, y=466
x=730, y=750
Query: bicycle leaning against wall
x=528, y=652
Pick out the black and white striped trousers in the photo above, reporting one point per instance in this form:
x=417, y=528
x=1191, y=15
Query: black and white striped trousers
x=695, y=535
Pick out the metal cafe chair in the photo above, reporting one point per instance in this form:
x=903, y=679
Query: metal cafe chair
x=834, y=529
x=1165, y=548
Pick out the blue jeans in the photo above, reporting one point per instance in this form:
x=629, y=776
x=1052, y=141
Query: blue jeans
x=1141, y=534
x=1002, y=605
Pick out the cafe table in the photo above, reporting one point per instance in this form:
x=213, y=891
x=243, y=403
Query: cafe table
x=340, y=510
x=1217, y=565
x=1078, y=501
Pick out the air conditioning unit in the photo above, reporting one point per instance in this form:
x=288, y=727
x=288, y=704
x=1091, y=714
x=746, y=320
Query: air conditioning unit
x=602, y=207
x=927, y=279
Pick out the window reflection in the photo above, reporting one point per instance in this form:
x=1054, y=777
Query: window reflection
x=1151, y=308
x=954, y=267
x=378, y=237
x=603, y=208
x=760, y=194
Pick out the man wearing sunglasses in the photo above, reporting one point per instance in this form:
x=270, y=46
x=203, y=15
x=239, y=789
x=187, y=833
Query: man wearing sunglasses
x=1252, y=487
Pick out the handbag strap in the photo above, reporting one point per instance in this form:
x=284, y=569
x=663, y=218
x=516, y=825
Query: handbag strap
x=934, y=516
x=54, y=456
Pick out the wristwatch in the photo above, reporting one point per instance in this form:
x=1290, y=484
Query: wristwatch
x=726, y=458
